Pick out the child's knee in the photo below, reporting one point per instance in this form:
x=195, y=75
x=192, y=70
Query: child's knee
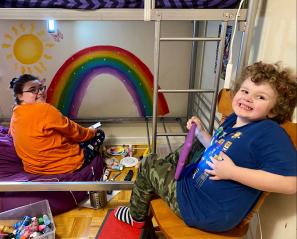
x=148, y=163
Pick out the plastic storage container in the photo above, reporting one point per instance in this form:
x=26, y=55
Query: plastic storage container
x=8, y=218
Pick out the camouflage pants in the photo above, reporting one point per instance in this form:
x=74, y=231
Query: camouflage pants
x=156, y=177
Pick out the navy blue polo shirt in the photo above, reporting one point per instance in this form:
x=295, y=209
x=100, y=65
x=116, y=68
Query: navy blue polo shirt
x=220, y=205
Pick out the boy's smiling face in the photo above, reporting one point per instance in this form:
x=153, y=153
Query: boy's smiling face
x=253, y=102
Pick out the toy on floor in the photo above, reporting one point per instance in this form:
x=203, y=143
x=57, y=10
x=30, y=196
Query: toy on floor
x=117, y=151
x=114, y=163
x=28, y=227
x=129, y=161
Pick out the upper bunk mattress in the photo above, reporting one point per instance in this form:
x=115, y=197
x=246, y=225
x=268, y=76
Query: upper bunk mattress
x=96, y=4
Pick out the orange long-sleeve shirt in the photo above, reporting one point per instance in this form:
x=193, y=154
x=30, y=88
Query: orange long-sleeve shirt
x=46, y=141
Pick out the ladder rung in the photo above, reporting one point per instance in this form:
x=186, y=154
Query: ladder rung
x=171, y=134
x=190, y=39
x=187, y=91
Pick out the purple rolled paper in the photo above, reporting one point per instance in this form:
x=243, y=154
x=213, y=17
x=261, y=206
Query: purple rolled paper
x=185, y=152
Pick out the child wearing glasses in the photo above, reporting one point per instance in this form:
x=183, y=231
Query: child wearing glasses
x=46, y=141
x=248, y=154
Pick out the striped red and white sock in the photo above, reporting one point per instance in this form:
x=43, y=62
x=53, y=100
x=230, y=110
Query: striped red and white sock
x=123, y=214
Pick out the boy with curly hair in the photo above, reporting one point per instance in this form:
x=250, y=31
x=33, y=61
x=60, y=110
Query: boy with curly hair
x=248, y=154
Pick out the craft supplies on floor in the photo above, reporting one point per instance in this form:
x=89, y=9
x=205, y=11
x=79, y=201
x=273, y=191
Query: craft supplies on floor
x=117, y=150
x=129, y=161
x=114, y=164
x=117, y=168
x=30, y=221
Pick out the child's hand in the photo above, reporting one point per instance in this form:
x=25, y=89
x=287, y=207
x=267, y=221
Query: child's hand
x=203, y=136
x=221, y=169
x=196, y=121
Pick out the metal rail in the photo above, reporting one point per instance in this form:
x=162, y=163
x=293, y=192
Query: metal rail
x=167, y=138
x=217, y=80
x=193, y=68
x=247, y=36
x=64, y=186
x=171, y=134
x=190, y=39
x=156, y=79
x=105, y=14
x=187, y=91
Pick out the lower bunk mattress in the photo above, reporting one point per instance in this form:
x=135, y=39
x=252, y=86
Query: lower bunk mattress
x=11, y=169
x=96, y=4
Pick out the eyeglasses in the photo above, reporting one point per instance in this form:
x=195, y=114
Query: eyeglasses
x=41, y=89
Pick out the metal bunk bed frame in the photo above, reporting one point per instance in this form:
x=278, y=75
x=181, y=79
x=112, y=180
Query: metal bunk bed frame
x=149, y=13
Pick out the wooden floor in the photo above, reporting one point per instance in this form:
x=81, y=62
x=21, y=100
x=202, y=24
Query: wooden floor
x=85, y=222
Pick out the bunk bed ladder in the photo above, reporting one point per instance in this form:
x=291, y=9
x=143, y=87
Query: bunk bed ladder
x=214, y=91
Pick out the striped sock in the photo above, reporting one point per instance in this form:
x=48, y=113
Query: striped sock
x=123, y=214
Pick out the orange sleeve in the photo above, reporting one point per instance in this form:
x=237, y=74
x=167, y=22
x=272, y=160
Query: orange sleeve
x=68, y=128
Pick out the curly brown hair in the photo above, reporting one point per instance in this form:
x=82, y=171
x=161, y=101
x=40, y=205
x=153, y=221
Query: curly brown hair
x=281, y=80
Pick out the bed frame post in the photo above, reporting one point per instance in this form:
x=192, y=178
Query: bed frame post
x=192, y=69
x=217, y=77
x=197, y=100
x=247, y=36
x=147, y=10
x=156, y=79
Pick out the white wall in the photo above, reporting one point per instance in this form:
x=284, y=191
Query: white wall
x=275, y=40
x=106, y=97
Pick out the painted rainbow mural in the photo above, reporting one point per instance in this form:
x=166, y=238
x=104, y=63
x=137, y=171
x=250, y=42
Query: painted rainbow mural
x=71, y=81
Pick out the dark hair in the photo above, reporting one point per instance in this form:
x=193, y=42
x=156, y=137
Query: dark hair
x=281, y=80
x=17, y=84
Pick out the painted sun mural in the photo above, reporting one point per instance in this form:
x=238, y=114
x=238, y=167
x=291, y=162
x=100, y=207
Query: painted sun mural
x=27, y=47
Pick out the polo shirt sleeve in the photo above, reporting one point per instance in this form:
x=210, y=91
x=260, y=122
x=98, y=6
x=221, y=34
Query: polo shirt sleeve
x=275, y=152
